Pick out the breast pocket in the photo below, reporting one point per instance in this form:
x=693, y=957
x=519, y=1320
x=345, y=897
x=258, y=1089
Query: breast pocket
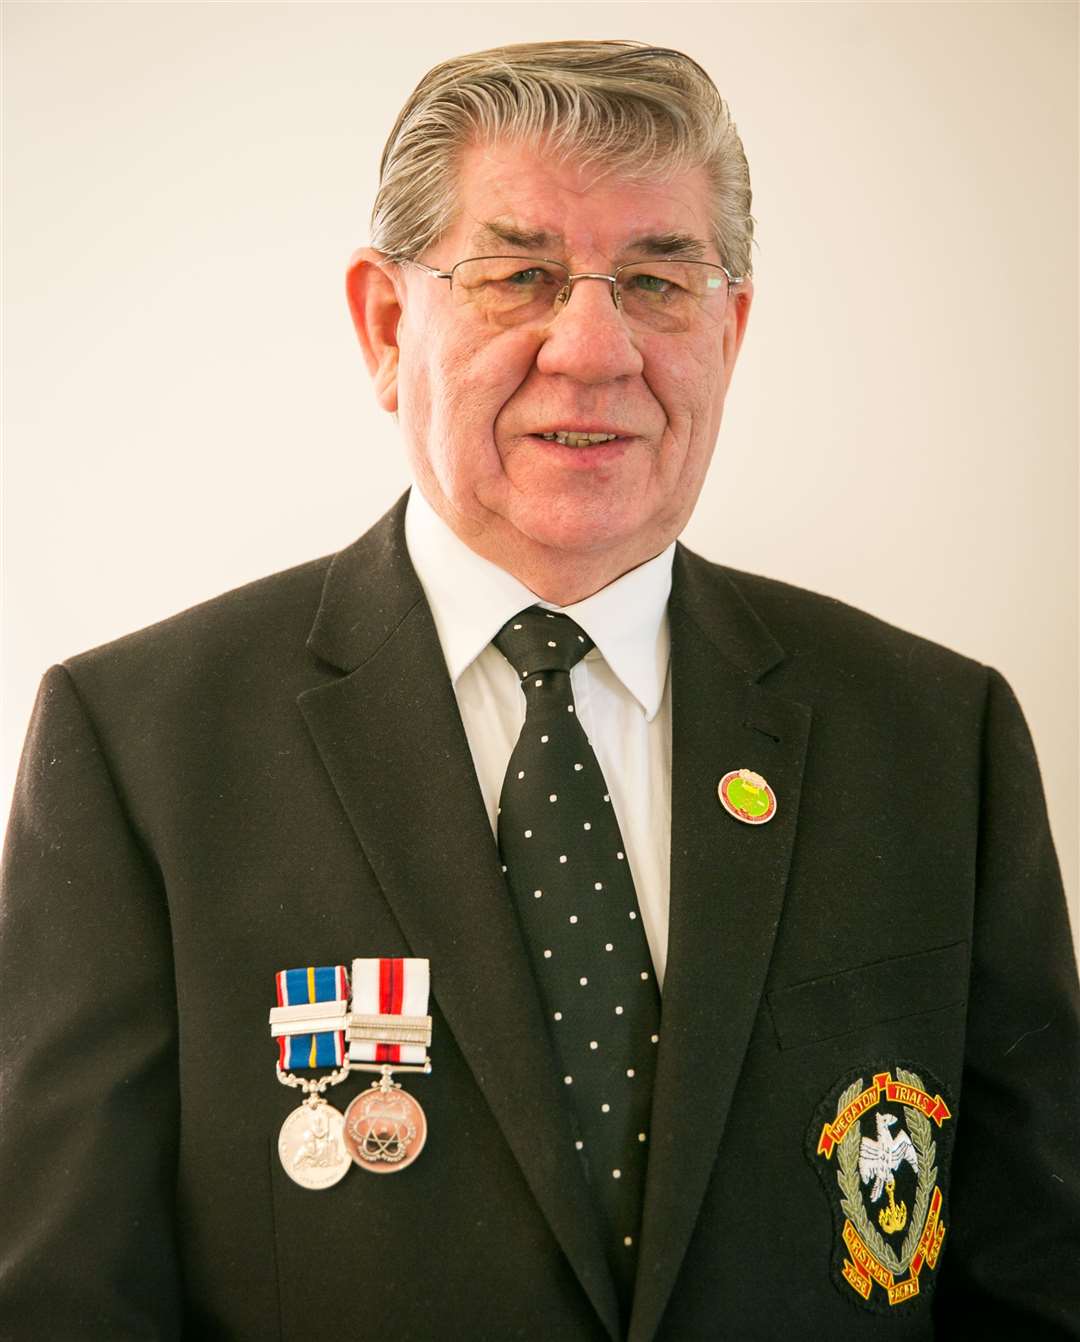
x=837, y=1004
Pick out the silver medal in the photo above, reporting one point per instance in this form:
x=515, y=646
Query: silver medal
x=311, y=1145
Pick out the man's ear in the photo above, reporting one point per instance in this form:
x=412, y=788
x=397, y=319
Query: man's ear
x=376, y=310
x=735, y=319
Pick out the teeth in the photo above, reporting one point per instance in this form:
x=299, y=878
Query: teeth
x=578, y=439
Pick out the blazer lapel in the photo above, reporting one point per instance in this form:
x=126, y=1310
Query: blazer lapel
x=727, y=888
x=390, y=736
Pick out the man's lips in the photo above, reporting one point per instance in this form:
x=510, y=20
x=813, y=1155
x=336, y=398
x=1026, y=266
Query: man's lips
x=580, y=431
x=590, y=440
x=570, y=454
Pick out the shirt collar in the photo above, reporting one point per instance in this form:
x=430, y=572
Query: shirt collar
x=471, y=599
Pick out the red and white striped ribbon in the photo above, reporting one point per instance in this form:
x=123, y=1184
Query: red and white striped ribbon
x=389, y=987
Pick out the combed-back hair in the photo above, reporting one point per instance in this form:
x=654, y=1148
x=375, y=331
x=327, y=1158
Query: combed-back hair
x=643, y=112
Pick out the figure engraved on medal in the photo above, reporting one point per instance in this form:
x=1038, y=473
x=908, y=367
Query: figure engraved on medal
x=312, y=1147
x=385, y=1128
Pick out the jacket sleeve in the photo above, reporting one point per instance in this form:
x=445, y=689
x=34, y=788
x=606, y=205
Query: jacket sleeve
x=1015, y=1218
x=88, y=1141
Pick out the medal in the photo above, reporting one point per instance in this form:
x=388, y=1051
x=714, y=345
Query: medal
x=385, y=1128
x=388, y=1030
x=309, y=1026
x=311, y=1144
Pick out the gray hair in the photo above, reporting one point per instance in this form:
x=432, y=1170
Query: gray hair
x=645, y=112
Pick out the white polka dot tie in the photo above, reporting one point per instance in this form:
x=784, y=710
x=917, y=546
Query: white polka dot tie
x=566, y=867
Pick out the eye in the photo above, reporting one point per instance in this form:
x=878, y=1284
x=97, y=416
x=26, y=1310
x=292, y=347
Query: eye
x=653, y=285
x=522, y=279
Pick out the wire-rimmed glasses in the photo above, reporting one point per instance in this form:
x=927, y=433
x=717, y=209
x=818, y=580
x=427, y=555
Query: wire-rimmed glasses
x=659, y=295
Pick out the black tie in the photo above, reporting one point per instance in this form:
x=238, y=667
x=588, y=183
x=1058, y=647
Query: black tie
x=567, y=869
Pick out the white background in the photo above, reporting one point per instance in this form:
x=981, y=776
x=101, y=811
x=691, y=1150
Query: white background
x=186, y=409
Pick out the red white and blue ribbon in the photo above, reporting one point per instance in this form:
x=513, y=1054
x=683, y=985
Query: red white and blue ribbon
x=390, y=987
x=314, y=1037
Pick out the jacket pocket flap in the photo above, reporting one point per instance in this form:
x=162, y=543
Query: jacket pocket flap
x=886, y=990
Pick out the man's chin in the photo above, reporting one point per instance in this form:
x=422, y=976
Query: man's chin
x=568, y=533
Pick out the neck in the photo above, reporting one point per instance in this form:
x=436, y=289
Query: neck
x=561, y=577
x=565, y=579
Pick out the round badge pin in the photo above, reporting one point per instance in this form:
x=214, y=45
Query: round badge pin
x=746, y=795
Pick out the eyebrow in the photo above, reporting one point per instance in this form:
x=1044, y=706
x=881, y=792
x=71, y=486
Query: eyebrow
x=675, y=244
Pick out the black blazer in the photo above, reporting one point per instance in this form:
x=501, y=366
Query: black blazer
x=280, y=777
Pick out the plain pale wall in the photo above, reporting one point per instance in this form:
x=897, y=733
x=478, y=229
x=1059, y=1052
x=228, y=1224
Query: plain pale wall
x=186, y=408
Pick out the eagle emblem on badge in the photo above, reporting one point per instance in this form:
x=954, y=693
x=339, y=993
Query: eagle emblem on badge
x=880, y=1149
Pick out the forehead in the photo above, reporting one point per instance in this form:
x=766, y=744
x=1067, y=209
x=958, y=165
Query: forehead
x=512, y=196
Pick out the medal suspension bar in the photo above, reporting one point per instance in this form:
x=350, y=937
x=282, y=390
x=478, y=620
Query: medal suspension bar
x=358, y=1027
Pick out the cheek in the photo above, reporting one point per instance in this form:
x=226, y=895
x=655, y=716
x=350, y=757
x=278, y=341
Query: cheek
x=471, y=383
x=433, y=398
x=690, y=391
x=453, y=390
x=414, y=376
x=414, y=399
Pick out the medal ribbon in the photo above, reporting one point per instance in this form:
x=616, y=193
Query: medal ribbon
x=299, y=987
x=389, y=987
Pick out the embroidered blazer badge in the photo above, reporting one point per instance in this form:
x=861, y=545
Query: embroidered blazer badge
x=880, y=1141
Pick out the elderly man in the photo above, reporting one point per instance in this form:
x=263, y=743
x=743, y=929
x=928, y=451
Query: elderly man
x=751, y=1000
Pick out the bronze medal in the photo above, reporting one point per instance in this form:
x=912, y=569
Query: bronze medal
x=385, y=1128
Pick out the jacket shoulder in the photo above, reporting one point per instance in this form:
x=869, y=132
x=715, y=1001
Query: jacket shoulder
x=271, y=609
x=227, y=658
x=802, y=613
x=825, y=643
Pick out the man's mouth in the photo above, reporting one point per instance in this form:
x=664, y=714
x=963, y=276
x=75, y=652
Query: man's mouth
x=570, y=438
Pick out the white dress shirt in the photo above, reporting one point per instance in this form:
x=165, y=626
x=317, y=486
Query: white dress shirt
x=621, y=688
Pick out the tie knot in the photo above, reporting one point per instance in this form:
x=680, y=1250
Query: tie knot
x=540, y=640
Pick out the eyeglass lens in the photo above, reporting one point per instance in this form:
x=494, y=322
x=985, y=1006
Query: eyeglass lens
x=656, y=295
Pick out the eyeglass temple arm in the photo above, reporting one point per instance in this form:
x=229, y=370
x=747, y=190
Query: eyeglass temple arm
x=430, y=270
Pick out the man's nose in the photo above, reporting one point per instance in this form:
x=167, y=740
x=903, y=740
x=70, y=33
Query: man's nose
x=587, y=337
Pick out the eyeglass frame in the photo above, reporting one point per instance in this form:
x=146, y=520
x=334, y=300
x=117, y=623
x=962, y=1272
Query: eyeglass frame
x=570, y=278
